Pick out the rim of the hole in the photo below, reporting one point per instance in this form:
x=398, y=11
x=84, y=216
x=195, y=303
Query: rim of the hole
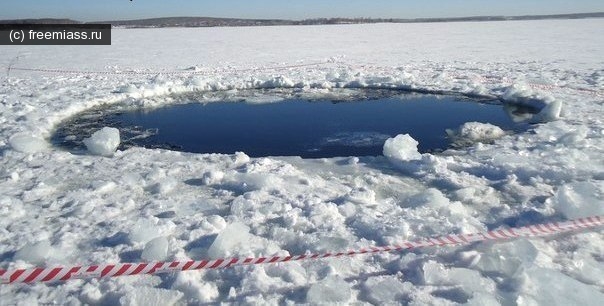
x=282, y=94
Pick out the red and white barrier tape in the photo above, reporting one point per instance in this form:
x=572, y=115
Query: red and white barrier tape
x=121, y=269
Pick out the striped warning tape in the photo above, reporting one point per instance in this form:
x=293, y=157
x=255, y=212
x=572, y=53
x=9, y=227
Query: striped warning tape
x=113, y=270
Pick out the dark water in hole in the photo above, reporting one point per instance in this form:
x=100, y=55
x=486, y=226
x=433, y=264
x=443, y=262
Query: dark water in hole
x=294, y=127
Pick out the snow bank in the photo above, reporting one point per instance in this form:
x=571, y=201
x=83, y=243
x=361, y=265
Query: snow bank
x=103, y=142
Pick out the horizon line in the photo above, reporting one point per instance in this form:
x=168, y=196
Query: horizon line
x=319, y=18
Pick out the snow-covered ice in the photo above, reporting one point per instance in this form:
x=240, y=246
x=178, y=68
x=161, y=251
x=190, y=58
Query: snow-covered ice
x=59, y=208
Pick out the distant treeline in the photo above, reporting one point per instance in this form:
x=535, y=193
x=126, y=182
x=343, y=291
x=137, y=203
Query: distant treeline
x=40, y=21
x=234, y=22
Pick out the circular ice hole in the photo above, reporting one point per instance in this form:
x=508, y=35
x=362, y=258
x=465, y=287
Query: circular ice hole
x=277, y=123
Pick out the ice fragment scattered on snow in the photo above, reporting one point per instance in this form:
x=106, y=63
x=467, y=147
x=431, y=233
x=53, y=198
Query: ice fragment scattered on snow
x=194, y=287
x=508, y=257
x=156, y=249
x=384, y=289
x=35, y=253
x=27, y=143
x=151, y=297
x=330, y=290
x=550, y=112
x=549, y=287
x=470, y=280
x=143, y=231
x=103, y=142
x=579, y=200
x=164, y=186
x=471, y=132
x=401, y=148
x=235, y=234
x=212, y=177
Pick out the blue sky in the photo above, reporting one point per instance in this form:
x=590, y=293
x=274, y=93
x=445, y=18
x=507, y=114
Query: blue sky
x=90, y=10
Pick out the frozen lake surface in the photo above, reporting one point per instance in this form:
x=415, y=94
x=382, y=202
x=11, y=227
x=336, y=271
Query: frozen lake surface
x=139, y=204
x=310, y=128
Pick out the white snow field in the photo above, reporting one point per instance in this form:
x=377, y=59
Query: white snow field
x=59, y=208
